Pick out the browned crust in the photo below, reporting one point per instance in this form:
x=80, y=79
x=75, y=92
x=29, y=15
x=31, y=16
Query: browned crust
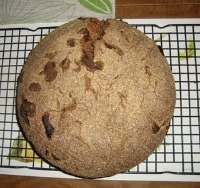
x=97, y=97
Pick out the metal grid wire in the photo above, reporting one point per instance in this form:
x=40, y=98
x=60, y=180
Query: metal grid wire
x=180, y=151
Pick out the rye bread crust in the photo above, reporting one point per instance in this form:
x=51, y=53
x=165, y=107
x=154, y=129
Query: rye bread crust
x=95, y=98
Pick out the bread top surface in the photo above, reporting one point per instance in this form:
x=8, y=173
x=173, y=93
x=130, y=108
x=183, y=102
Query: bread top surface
x=95, y=98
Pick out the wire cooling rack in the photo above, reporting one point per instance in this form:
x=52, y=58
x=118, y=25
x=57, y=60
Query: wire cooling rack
x=180, y=151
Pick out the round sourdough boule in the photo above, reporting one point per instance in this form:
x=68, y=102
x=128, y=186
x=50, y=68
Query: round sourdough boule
x=95, y=98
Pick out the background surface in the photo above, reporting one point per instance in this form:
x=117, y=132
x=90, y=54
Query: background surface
x=124, y=9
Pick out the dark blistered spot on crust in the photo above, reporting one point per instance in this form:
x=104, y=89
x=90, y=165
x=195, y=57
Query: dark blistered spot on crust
x=51, y=76
x=155, y=128
x=50, y=71
x=121, y=31
x=87, y=61
x=49, y=129
x=147, y=70
x=71, y=42
x=24, y=114
x=97, y=28
x=27, y=109
x=35, y=87
x=55, y=157
x=86, y=35
x=65, y=64
x=161, y=50
x=20, y=77
x=51, y=55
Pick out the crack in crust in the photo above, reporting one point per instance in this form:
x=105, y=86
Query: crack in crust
x=155, y=128
x=88, y=87
x=154, y=87
x=87, y=60
x=147, y=70
x=55, y=157
x=142, y=100
x=148, y=73
x=116, y=49
x=94, y=31
x=71, y=106
x=78, y=68
x=123, y=98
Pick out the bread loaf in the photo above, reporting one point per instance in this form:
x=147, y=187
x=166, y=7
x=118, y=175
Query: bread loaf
x=95, y=98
